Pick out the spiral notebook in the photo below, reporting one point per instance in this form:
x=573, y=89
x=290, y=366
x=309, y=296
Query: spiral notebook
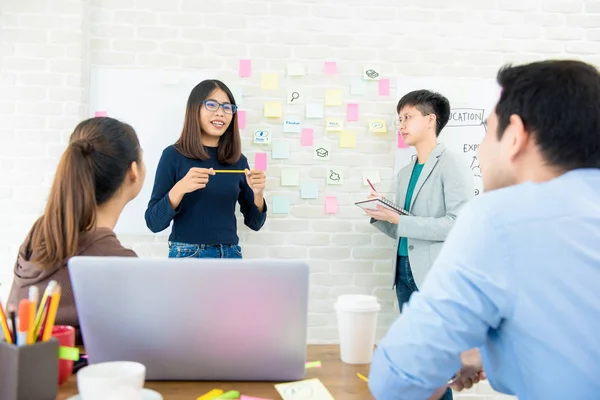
x=371, y=204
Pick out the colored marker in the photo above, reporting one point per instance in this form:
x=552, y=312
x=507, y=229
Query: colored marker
x=24, y=310
x=34, y=294
x=13, y=321
x=42, y=308
x=4, y=325
x=49, y=323
x=372, y=187
x=211, y=395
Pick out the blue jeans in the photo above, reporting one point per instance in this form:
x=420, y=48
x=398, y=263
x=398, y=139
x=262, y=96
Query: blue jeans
x=185, y=250
x=405, y=286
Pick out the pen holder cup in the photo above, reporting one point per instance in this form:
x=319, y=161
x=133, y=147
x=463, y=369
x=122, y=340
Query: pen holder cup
x=29, y=372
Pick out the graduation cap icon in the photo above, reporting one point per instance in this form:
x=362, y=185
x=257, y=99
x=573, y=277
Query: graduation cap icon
x=321, y=152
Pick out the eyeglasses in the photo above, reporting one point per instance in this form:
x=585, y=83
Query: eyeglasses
x=399, y=121
x=213, y=105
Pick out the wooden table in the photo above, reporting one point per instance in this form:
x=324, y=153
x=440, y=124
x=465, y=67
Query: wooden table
x=339, y=378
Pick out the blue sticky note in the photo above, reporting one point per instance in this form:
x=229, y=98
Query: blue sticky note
x=281, y=205
x=309, y=190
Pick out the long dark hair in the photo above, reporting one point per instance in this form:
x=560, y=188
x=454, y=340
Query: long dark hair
x=90, y=171
x=189, y=143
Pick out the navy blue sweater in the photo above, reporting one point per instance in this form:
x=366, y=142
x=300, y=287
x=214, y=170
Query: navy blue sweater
x=205, y=216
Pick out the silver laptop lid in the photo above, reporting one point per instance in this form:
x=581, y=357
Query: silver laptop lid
x=195, y=319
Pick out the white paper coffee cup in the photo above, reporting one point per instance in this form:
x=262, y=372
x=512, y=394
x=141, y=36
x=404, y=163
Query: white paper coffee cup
x=116, y=380
x=357, y=324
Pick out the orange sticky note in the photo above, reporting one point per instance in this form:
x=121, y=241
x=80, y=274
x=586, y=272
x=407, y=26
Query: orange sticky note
x=331, y=205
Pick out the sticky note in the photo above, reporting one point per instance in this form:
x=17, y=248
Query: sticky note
x=281, y=205
x=371, y=73
x=272, y=109
x=262, y=136
x=314, y=364
x=251, y=398
x=314, y=110
x=335, y=177
x=371, y=175
x=309, y=190
x=241, y=118
x=232, y=394
x=334, y=125
x=309, y=389
x=330, y=67
x=377, y=126
x=269, y=81
x=358, y=87
x=260, y=161
x=384, y=87
x=68, y=353
x=210, y=395
x=333, y=97
x=280, y=150
x=245, y=68
x=295, y=96
x=347, y=139
x=331, y=205
x=236, y=91
x=352, y=112
x=100, y=114
x=322, y=152
x=296, y=69
x=290, y=177
x=401, y=143
x=307, y=137
x=291, y=126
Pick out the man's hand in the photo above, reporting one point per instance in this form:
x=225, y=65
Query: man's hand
x=471, y=371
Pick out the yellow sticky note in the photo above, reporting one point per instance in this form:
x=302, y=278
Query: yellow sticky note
x=272, y=109
x=334, y=124
x=348, y=139
x=377, y=126
x=269, y=81
x=290, y=177
x=211, y=395
x=333, y=97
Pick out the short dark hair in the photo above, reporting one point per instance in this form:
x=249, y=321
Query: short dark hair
x=428, y=102
x=559, y=103
x=189, y=143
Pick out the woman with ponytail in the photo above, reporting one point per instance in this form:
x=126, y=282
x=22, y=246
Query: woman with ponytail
x=99, y=173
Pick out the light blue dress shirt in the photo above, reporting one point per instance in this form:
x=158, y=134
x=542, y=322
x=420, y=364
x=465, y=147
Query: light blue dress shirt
x=519, y=278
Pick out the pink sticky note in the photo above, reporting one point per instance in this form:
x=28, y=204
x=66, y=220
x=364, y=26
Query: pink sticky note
x=330, y=67
x=331, y=205
x=260, y=161
x=352, y=112
x=245, y=68
x=243, y=397
x=241, y=118
x=401, y=144
x=100, y=114
x=384, y=87
x=307, y=137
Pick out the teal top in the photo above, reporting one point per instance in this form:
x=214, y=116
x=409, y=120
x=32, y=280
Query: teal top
x=403, y=247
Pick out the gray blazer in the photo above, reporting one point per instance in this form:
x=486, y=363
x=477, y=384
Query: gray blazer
x=444, y=186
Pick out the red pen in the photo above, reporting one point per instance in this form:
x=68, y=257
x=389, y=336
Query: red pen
x=372, y=187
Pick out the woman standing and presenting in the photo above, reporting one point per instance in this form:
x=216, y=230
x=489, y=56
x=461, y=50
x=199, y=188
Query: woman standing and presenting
x=202, y=176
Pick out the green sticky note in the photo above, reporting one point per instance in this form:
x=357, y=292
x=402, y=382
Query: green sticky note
x=232, y=394
x=68, y=353
x=314, y=364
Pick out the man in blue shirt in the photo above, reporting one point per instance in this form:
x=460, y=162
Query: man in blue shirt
x=515, y=289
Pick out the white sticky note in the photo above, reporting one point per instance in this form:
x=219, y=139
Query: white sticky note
x=262, y=136
x=371, y=175
x=335, y=177
x=291, y=126
x=280, y=149
x=295, y=96
x=281, y=205
x=309, y=389
x=314, y=110
x=296, y=69
x=322, y=152
x=237, y=95
x=371, y=73
x=290, y=177
x=358, y=87
x=309, y=190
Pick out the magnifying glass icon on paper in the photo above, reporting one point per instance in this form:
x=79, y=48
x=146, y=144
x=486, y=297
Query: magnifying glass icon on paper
x=295, y=96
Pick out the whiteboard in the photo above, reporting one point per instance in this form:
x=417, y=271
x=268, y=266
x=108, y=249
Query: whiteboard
x=471, y=101
x=153, y=102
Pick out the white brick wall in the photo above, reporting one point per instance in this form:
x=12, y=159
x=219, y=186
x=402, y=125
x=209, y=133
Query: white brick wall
x=47, y=46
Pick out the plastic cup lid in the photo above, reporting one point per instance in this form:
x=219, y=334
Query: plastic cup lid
x=357, y=303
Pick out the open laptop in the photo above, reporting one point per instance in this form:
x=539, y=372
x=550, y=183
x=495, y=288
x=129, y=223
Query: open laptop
x=195, y=319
